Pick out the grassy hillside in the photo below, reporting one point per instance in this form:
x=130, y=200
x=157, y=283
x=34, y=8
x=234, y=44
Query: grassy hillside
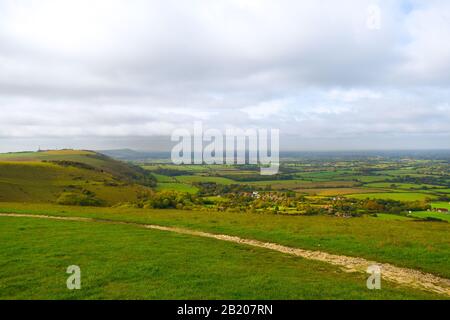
x=70, y=177
x=406, y=243
x=125, y=262
x=91, y=160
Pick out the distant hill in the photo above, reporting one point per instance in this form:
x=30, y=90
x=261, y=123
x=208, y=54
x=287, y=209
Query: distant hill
x=82, y=176
x=132, y=155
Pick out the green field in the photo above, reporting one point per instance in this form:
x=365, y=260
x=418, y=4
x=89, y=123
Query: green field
x=124, y=262
x=436, y=215
x=162, y=178
x=175, y=186
x=195, y=178
x=400, y=196
x=417, y=245
x=445, y=205
x=190, y=168
x=432, y=214
x=336, y=191
x=366, y=179
x=407, y=186
x=296, y=184
x=384, y=216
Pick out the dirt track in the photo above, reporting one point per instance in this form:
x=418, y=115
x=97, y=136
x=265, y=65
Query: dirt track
x=408, y=277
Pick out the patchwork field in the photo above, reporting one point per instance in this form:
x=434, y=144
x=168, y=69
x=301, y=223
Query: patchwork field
x=337, y=191
x=296, y=184
x=400, y=196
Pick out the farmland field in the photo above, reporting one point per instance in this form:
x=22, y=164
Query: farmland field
x=175, y=186
x=379, y=211
x=435, y=215
x=401, y=196
x=193, y=179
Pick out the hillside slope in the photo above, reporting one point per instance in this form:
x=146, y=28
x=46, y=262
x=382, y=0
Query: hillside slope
x=70, y=177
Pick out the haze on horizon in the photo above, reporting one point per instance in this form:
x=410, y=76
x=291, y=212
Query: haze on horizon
x=108, y=74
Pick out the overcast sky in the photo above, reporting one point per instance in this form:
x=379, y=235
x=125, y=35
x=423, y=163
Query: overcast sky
x=101, y=74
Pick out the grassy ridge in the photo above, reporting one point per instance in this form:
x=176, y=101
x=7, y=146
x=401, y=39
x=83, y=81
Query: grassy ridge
x=99, y=162
x=45, y=176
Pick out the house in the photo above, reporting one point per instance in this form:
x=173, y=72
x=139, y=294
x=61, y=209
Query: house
x=256, y=195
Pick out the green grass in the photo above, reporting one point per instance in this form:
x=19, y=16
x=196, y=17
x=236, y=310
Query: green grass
x=304, y=183
x=407, y=186
x=367, y=179
x=25, y=177
x=163, y=178
x=125, y=262
x=216, y=199
x=418, y=245
x=194, y=179
x=327, y=192
x=436, y=215
x=176, y=186
x=399, y=196
x=44, y=182
x=321, y=175
x=190, y=168
x=403, y=172
x=118, y=169
x=445, y=205
x=385, y=216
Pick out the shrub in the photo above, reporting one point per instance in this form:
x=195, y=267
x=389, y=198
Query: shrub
x=85, y=198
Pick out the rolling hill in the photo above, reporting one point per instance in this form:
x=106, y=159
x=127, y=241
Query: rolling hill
x=70, y=177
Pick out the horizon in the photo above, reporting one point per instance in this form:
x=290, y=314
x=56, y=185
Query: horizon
x=282, y=151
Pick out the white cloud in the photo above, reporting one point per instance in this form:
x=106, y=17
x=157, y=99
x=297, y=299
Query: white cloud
x=353, y=95
x=264, y=110
x=112, y=68
x=427, y=53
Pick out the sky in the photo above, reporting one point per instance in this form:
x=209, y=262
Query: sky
x=330, y=75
